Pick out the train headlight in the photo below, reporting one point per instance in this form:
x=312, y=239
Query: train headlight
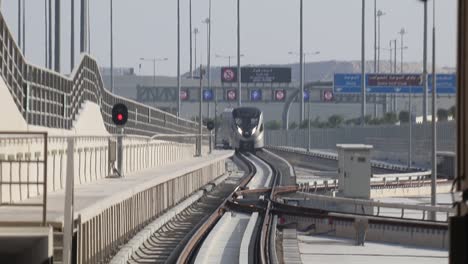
x=254, y=130
x=239, y=130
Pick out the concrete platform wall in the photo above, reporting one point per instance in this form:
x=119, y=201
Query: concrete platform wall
x=120, y=221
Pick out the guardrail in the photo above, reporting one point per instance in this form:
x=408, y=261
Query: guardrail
x=49, y=99
x=22, y=159
x=333, y=156
x=358, y=204
x=14, y=183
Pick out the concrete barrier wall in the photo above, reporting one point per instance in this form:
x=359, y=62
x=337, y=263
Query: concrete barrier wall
x=398, y=233
x=390, y=142
x=409, y=191
x=20, y=161
x=120, y=221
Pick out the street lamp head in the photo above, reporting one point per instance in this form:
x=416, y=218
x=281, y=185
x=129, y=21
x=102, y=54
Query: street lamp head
x=195, y=30
x=380, y=13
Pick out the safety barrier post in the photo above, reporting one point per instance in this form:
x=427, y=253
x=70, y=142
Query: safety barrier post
x=120, y=152
x=68, y=206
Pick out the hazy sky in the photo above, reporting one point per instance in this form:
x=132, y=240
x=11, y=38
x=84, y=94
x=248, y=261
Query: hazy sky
x=269, y=29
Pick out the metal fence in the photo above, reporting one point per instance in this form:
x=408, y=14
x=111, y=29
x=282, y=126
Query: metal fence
x=49, y=99
x=13, y=187
x=25, y=163
x=390, y=142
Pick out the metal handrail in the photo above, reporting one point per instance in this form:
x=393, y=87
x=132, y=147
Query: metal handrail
x=380, y=204
x=403, y=175
x=50, y=99
x=44, y=162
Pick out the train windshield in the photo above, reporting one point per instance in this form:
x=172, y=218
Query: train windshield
x=246, y=117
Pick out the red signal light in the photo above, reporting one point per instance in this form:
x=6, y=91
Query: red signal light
x=119, y=114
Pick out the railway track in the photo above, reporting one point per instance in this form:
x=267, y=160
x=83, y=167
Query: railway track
x=261, y=241
x=253, y=211
x=168, y=242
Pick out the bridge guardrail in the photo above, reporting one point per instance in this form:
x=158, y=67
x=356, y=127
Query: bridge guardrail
x=360, y=203
x=21, y=157
x=332, y=156
x=49, y=99
x=15, y=185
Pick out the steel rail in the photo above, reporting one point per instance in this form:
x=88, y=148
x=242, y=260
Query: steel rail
x=268, y=255
x=195, y=242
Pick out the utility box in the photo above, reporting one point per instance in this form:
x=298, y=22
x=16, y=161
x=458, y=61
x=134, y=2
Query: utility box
x=354, y=169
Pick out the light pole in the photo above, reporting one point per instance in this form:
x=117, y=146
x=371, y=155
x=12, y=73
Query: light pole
x=88, y=27
x=391, y=58
x=19, y=22
x=178, y=59
x=379, y=15
x=395, y=99
x=375, y=36
x=434, y=117
x=395, y=56
x=57, y=35
x=195, y=32
x=395, y=103
x=207, y=21
x=390, y=50
x=200, y=116
x=24, y=27
x=301, y=50
x=363, y=65
x=190, y=25
x=111, y=45
x=239, y=73
x=45, y=35
x=308, y=102
x=402, y=33
x=426, y=93
x=72, y=35
x=49, y=48
x=154, y=60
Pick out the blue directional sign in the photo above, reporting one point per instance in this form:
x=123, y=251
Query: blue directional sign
x=393, y=83
x=208, y=95
x=256, y=95
x=347, y=83
x=306, y=95
x=446, y=83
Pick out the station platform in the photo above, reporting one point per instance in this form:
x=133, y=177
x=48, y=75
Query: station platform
x=93, y=198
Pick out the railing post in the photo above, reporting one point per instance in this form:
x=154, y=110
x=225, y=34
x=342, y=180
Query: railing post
x=120, y=152
x=68, y=206
x=210, y=142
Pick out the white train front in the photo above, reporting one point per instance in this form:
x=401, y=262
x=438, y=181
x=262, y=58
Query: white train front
x=247, y=130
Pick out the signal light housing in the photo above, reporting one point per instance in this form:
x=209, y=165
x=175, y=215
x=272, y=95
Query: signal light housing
x=119, y=114
x=210, y=125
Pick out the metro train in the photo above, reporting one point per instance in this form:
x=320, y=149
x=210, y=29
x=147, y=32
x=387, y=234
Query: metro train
x=247, y=130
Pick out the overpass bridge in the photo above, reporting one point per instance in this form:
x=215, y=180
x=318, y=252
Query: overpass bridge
x=61, y=200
